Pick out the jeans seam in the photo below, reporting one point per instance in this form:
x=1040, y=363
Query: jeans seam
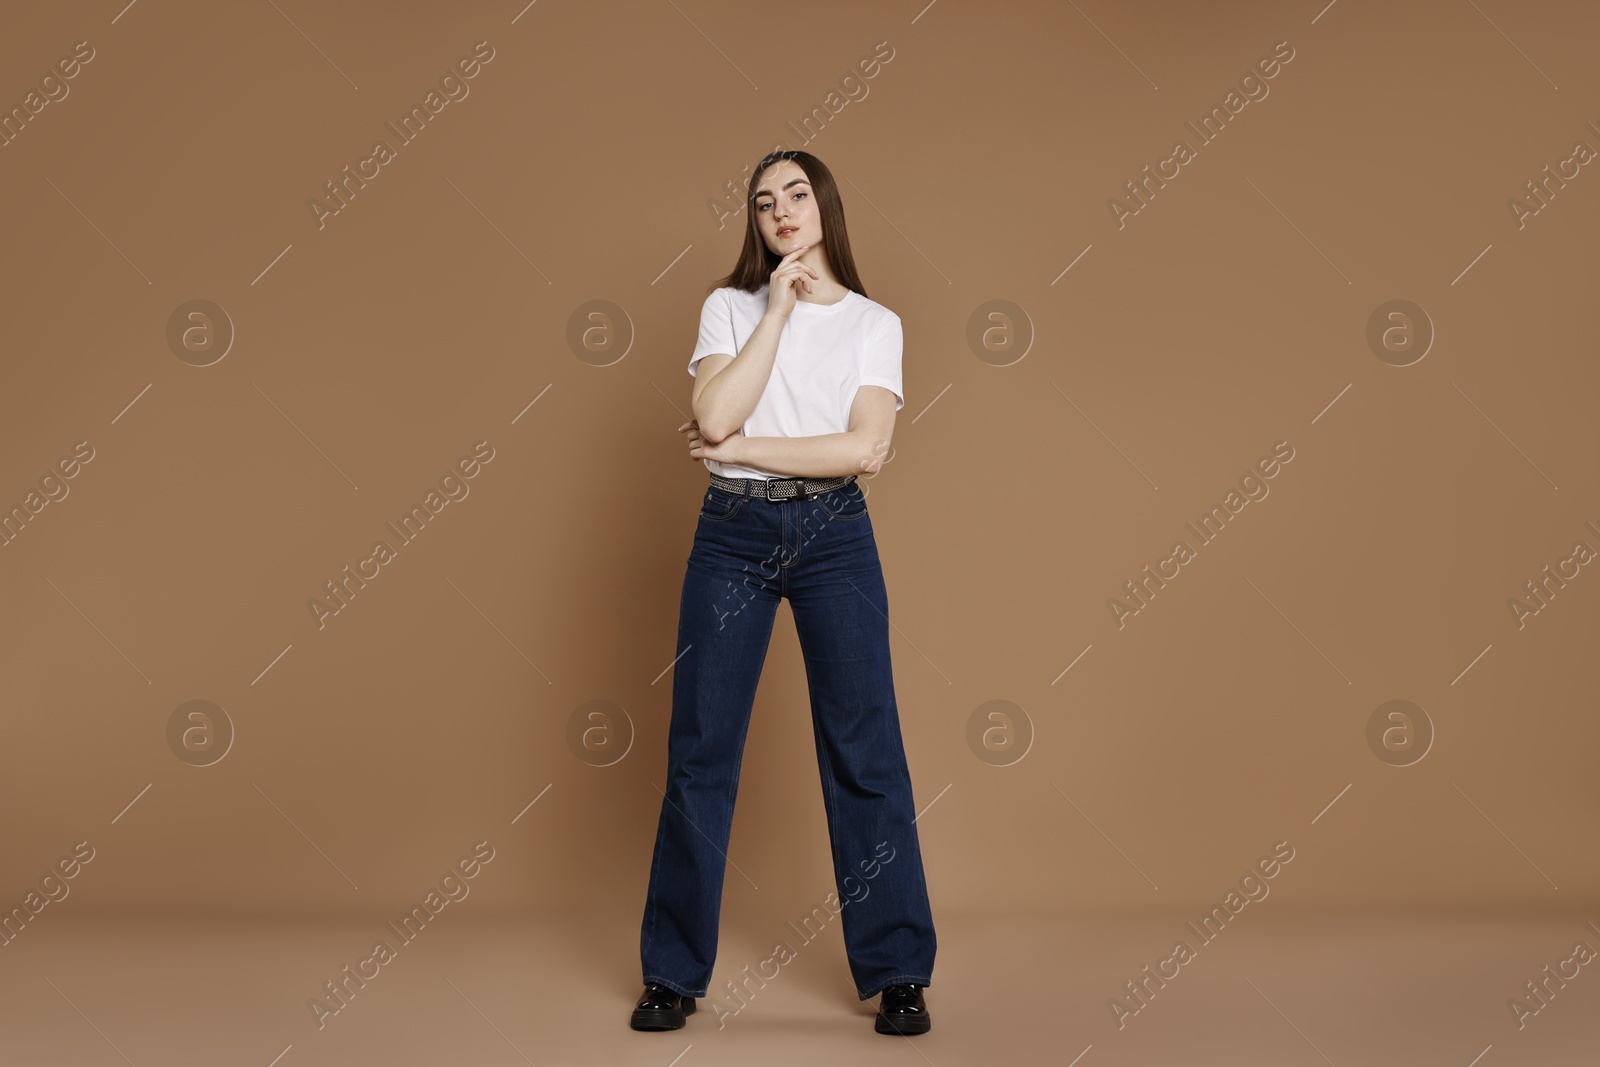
x=738, y=772
x=650, y=891
x=921, y=868
x=832, y=796
x=783, y=544
x=738, y=759
x=655, y=861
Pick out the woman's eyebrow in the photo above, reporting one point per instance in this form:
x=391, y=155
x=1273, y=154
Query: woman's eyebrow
x=791, y=181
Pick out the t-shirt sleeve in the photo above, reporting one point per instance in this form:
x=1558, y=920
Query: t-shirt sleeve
x=716, y=328
x=880, y=365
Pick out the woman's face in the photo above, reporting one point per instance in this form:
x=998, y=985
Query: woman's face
x=786, y=208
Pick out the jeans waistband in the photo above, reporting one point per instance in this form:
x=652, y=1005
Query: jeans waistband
x=777, y=489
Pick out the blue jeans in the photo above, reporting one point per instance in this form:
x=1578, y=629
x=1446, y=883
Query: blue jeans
x=819, y=553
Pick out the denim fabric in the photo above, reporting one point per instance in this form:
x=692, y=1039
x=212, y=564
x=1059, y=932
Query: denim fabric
x=820, y=554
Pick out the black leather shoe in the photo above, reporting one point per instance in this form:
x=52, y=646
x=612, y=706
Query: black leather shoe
x=660, y=1008
x=901, y=1010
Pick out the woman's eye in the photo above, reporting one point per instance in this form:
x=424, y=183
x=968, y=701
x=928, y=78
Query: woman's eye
x=799, y=195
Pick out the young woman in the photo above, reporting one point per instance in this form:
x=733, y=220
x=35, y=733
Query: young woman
x=797, y=382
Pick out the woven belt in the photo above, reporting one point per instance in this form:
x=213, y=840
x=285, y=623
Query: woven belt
x=776, y=489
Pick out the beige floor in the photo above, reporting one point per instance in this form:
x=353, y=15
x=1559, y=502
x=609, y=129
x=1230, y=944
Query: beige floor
x=1281, y=988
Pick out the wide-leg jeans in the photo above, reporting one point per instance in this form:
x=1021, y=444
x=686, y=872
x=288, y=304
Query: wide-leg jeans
x=820, y=553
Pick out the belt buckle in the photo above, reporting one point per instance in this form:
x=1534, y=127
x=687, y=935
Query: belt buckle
x=799, y=490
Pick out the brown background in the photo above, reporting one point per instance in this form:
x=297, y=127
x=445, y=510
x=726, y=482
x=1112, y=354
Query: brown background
x=591, y=161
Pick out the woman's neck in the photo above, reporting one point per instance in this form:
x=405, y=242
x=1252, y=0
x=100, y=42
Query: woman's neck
x=828, y=292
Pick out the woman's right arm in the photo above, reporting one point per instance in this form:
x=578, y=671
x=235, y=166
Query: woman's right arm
x=726, y=389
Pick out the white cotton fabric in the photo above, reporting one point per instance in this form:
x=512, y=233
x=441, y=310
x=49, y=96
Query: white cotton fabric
x=825, y=353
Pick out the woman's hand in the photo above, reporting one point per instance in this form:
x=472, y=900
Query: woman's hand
x=725, y=451
x=789, y=273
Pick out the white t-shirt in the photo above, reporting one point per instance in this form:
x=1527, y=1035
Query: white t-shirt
x=825, y=353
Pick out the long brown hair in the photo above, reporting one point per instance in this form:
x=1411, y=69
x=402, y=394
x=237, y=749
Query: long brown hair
x=757, y=262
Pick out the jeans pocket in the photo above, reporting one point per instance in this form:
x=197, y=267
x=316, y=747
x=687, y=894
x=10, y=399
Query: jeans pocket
x=845, y=503
x=720, y=504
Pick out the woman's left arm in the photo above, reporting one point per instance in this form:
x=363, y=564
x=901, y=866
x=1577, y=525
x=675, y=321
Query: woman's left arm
x=860, y=450
x=824, y=456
